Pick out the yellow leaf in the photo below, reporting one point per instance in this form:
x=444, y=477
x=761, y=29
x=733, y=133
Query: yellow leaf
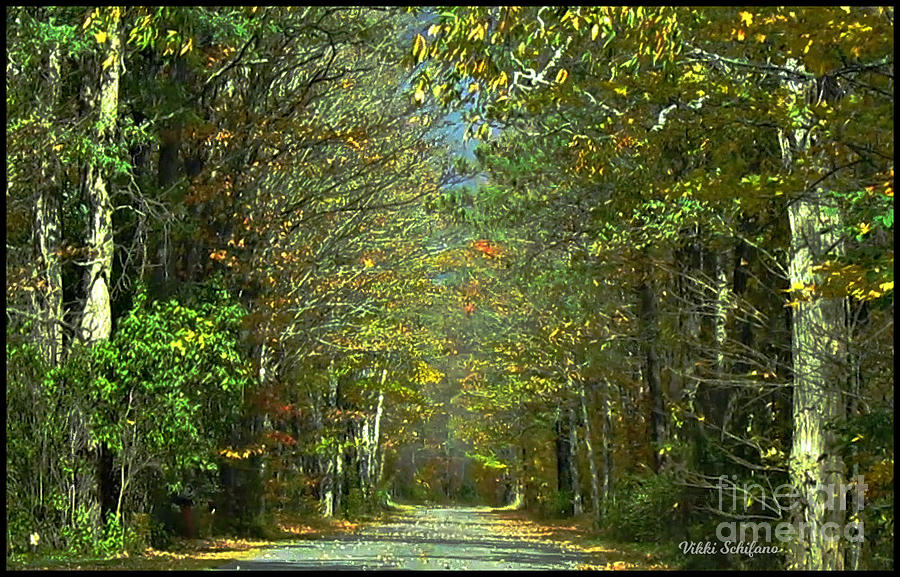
x=746, y=18
x=864, y=228
x=740, y=36
x=101, y=37
x=473, y=87
x=561, y=76
x=419, y=95
x=433, y=30
x=595, y=31
x=187, y=46
x=109, y=61
x=419, y=47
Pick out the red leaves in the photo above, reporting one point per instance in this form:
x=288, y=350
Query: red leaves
x=487, y=247
x=282, y=438
x=469, y=307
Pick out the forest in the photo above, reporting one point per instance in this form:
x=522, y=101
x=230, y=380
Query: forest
x=628, y=265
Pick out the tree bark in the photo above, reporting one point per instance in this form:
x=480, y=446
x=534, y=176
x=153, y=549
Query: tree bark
x=596, y=499
x=364, y=462
x=649, y=333
x=47, y=304
x=167, y=173
x=577, y=506
x=96, y=320
x=376, y=457
x=723, y=396
x=563, y=455
x=327, y=491
x=330, y=478
x=338, y=482
x=819, y=351
x=607, y=435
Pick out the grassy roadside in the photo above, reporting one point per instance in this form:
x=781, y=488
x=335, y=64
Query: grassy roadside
x=198, y=554
x=575, y=533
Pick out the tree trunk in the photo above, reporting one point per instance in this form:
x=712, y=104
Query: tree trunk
x=327, y=491
x=649, y=333
x=721, y=316
x=96, y=320
x=819, y=352
x=330, y=478
x=563, y=456
x=526, y=498
x=723, y=396
x=364, y=462
x=376, y=458
x=47, y=304
x=854, y=553
x=167, y=174
x=690, y=264
x=596, y=499
x=107, y=482
x=607, y=436
x=338, y=482
x=577, y=507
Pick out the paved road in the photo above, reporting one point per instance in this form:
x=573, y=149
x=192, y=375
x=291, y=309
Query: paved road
x=424, y=538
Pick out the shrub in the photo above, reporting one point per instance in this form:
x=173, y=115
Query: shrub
x=138, y=536
x=559, y=505
x=355, y=504
x=645, y=508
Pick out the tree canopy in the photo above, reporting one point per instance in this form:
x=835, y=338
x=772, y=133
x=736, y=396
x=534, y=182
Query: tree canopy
x=603, y=261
